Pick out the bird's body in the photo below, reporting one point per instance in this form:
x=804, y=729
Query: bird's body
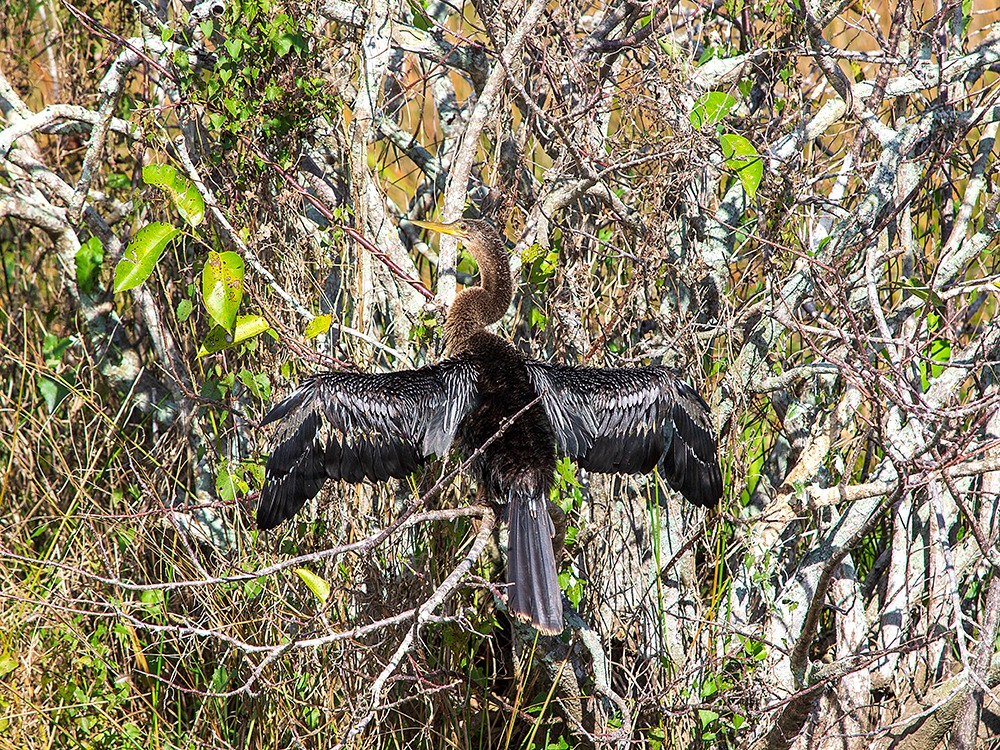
x=517, y=471
x=355, y=426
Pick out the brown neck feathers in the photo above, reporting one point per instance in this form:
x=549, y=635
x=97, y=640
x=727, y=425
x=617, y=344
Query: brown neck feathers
x=479, y=306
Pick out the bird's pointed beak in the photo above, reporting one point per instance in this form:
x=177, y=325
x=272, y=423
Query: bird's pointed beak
x=435, y=226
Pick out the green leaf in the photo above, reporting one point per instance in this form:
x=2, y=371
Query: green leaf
x=8, y=663
x=256, y=384
x=225, y=486
x=742, y=158
x=533, y=253
x=924, y=292
x=939, y=351
x=88, y=260
x=710, y=52
x=711, y=109
x=184, y=310
x=153, y=600
x=141, y=255
x=118, y=181
x=319, y=587
x=220, y=679
x=283, y=44
x=707, y=717
x=255, y=470
x=709, y=688
x=318, y=326
x=538, y=319
x=286, y=42
x=755, y=649
x=182, y=191
x=53, y=349
x=543, y=267
x=566, y=471
x=222, y=287
x=247, y=326
x=54, y=392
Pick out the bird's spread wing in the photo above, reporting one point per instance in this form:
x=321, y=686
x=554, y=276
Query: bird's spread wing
x=628, y=420
x=354, y=426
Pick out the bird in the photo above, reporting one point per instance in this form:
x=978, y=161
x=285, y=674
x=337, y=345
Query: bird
x=358, y=426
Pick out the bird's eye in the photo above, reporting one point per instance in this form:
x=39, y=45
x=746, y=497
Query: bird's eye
x=463, y=226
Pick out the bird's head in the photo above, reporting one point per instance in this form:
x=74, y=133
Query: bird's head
x=472, y=233
x=476, y=307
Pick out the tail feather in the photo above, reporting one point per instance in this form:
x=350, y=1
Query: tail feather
x=531, y=566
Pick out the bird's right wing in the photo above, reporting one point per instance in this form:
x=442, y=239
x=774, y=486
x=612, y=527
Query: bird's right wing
x=628, y=420
x=356, y=426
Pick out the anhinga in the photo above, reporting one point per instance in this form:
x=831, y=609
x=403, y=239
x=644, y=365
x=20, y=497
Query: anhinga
x=352, y=426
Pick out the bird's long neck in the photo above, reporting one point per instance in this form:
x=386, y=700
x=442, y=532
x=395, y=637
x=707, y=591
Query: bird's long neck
x=479, y=306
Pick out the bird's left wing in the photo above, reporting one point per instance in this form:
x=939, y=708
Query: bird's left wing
x=356, y=426
x=628, y=420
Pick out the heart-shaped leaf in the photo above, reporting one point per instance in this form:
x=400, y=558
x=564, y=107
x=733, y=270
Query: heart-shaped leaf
x=317, y=585
x=712, y=108
x=743, y=159
x=318, y=326
x=247, y=326
x=222, y=287
x=182, y=191
x=140, y=256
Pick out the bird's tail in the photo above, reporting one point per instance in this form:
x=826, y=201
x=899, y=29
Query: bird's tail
x=531, y=565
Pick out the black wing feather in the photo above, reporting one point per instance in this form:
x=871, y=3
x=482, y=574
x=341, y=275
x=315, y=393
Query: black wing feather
x=355, y=426
x=629, y=420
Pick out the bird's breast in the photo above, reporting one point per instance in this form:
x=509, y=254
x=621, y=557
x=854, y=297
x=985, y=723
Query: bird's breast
x=522, y=455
